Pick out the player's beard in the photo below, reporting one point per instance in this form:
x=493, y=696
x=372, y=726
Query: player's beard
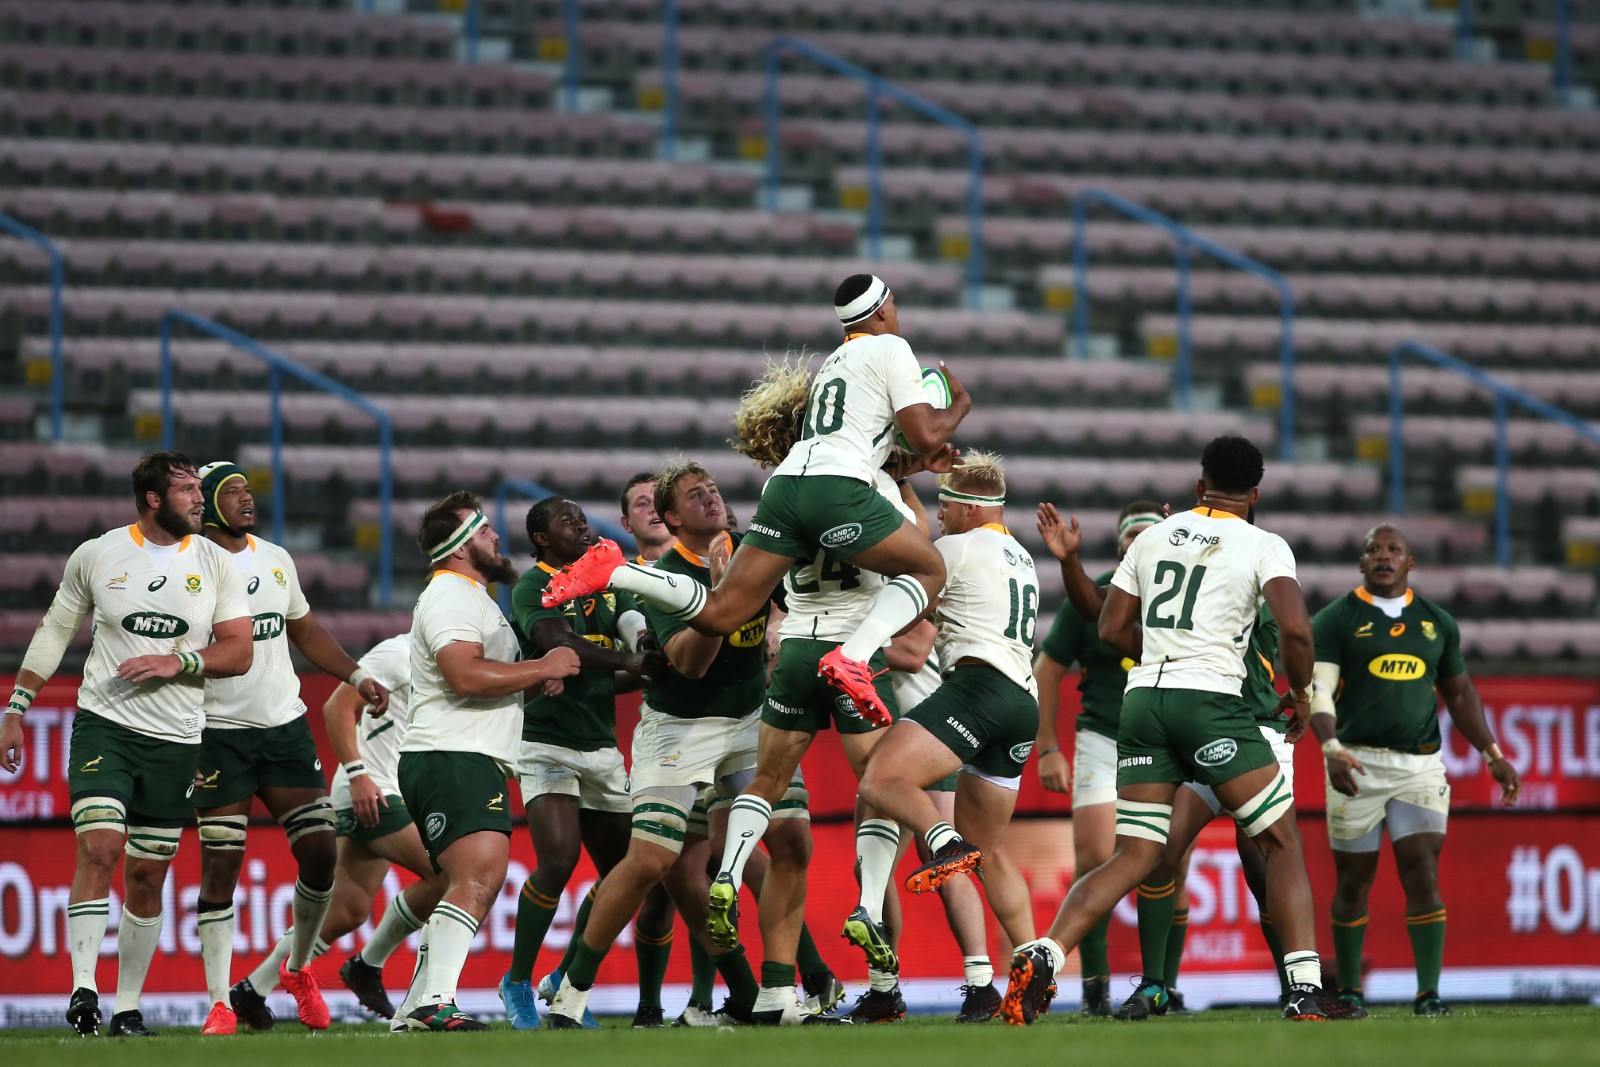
x=493, y=568
x=175, y=522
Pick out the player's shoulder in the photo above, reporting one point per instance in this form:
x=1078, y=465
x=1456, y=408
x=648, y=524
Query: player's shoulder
x=1431, y=608
x=271, y=550
x=533, y=580
x=208, y=550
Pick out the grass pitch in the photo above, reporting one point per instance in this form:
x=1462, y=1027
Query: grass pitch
x=1505, y=1036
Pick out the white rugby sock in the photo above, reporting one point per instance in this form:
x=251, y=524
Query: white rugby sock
x=451, y=932
x=310, y=907
x=86, y=929
x=941, y=834
x=978, y=970
x=398, y=923
x=896, y=605
x=264, y=979
x=877, y=842
x=1303, y=968
x=419, y=979
x=747, y=822
x=136, y=946
x=216, y=948
x=881, y=981
x=678, y=595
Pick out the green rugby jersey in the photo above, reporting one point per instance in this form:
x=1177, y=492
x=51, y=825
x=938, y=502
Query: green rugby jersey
x=584, y=716
x=1103, y=672
x=1388, y=669
x=736, y=682
x=1259, y=692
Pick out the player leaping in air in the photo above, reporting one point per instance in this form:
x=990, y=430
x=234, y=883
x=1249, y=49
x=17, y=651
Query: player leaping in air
x=822, y=496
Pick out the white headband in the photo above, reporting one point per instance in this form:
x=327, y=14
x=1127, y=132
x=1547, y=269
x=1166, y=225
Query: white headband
x=468, y=527
x=1137, y=522
x=865, y=304
x=953, y=497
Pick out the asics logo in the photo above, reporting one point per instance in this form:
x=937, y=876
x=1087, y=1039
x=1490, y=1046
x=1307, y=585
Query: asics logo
x=157, y=584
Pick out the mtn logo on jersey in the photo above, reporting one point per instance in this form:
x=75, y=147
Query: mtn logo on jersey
x=840, y=536
x=1216, y=753
x=750, y=634
x=1397, y=668
x=268, y=624
x=154, y=624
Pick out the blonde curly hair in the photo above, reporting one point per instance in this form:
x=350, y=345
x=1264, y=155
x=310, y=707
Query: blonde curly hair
x=976, y=473
x=772, y=412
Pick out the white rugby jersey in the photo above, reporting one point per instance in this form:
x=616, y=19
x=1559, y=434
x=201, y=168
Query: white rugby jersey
x=1198, y=576
x=990, y=603
x=268, y=694
x=378, y=738
x=913, y=687
x=849, y=426
x=455, y=608
x=827, y=599
x=147, y=600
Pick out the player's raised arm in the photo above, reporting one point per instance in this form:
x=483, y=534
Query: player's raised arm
x=926, y=428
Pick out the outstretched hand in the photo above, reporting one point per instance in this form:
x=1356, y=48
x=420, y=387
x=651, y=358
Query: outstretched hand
x=1063, y=539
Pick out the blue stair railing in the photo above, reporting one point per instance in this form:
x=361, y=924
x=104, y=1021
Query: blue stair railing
x=58, y=375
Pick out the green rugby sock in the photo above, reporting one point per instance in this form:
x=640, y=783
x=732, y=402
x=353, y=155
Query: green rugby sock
x=740, y=979
x=705, y=974
x=1156, y=906
x=1275, y=946
x=536, y=910
x=807, y=957
x=1348, y=937
x=1427, y=945
x=777, y=975
x=1093, y=958
x=580, y=923
x=585, y=965
x=1175, y=939
x=653, y=952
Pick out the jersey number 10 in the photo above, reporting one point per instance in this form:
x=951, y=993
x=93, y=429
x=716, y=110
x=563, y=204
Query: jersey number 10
x=1165, y=570
x=827, y=410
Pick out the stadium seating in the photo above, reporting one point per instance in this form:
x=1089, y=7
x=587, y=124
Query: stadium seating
x=530, y=291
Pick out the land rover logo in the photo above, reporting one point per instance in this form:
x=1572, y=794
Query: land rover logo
x=268, y=624
x=1216, y=753
x=157, y=584
x=840, y=536
x=435, y=825
x=154, y=624
x=255, y=583
x=1020, y=752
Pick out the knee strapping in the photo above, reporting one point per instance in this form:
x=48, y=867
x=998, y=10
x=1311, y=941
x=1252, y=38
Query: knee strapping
x=1265, y=808
x=153, y=842
x=660, y=823
x=225, y=833
x=99, y=813
x=795, y=802
x=313, y=818
x=1140, y=818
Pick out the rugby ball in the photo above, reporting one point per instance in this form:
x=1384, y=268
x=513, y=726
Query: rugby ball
x=936, y=388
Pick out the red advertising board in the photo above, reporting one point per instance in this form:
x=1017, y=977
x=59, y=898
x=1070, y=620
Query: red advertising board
x=1523, y=894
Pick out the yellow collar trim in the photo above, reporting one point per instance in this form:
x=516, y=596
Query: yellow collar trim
x=138, y=538
x=699, y=561
x=997, y=527
x=542, y=565
x=456, y=574
x=1363, y=594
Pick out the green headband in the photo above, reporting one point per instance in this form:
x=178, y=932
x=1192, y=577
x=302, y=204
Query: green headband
x=468, y=527
x=974, y=499
x=213, y=476
x=1134, y=522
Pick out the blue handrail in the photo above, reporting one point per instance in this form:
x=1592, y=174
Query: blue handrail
x=1186, y=239
x=569, y=67
x=1503, y=394
x=1564, y=52
x=669, y=69
x=878, y=87
x=58, y=369
x=1464, y=29
x=535, y=491
x=469, y=32
x=279, y=365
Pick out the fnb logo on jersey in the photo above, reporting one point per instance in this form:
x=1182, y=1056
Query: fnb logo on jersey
x=154, y=624
x=268, y=624
x=1397, y=668
x=1216, y=753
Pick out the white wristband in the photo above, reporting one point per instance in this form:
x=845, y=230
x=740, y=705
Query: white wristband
x=21, y=700
x=355, y=769
x=1332, y=747
x=361, y=675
